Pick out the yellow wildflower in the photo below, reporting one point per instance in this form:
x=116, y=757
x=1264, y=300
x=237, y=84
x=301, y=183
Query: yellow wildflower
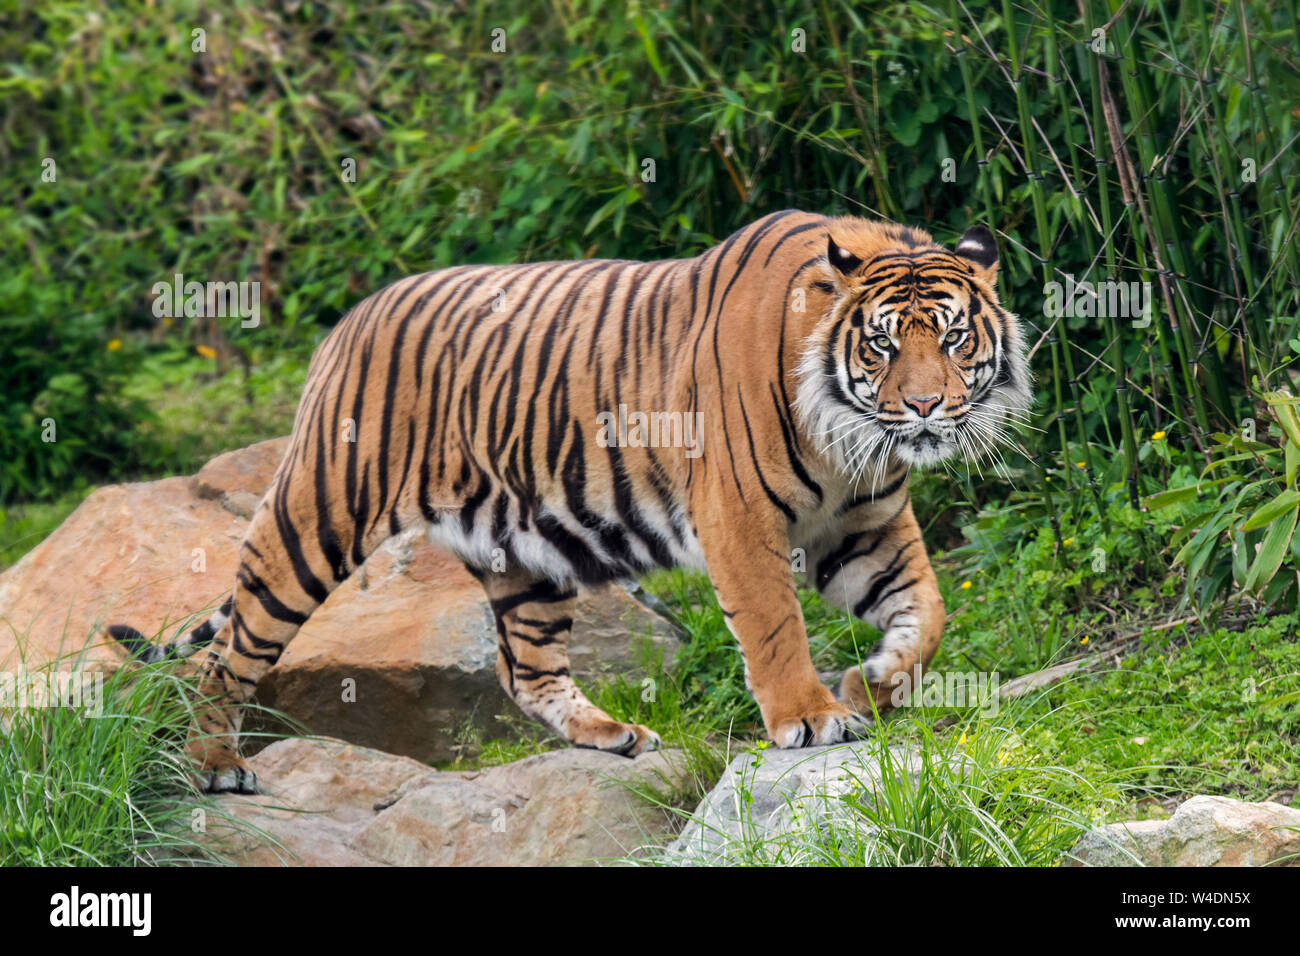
x=206, y=351
x=114, y=344
x=1156, y=436
x=965, y=585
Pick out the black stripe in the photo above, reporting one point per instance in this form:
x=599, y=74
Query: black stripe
x=792, y=454
x=273, y=606
x=772, y=496
x=882, y=580
x=540, y=592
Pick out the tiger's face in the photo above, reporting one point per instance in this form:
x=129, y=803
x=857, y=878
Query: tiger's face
x=915, y=359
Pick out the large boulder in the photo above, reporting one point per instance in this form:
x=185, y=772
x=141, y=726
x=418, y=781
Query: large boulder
x=412, y=631
x=1204, y=831
x=331, y=804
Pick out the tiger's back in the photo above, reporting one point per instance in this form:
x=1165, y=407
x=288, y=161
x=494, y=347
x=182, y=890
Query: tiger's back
x=483, y=420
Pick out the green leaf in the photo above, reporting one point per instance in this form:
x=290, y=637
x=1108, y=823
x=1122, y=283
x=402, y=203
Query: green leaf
x=1272, y=702
x=1202, y=547
x=411, y=239
x=616, y=201
x=647, y=42
x=1194, y=552
x=407, y=135
x=1284, y=408
x=1173, y=496
x=1241, y=554
x=1234, y=100
x=1266, y=512
x=192, y=165
x=1271, y=551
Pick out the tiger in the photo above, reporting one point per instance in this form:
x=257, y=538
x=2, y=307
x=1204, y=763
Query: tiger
x=823, y=358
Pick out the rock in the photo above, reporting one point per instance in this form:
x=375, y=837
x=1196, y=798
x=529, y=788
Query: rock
x=366, y=808
x=763, y=795
x=127, y=554
x=239, y=478
x=412, y=628
x=1204, y=831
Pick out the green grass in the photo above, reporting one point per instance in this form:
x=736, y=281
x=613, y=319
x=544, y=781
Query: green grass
x=1192, y=711
x=978, y=795
x=106, y=784
x=1215, y=708
x=696, y=729
x=1186, y=711
x=204, y=406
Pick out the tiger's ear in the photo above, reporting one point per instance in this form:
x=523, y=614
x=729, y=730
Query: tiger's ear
x=844, y=261
x=980, y=249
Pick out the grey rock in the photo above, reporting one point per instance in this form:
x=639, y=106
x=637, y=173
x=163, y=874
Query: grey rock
x=764, y=795
x=330, y=803
x=1204, y=831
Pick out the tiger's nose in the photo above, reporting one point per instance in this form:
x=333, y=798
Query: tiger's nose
x=922, y=406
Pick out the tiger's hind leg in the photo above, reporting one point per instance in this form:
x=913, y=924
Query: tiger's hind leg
x=279, y=583
x=263, y=620
x=534, y=617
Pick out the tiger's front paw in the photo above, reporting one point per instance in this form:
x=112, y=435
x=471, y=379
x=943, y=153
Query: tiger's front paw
x=834, y=724
x=626, y=740
x=229, y=780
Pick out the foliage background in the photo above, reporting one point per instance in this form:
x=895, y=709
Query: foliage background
x=1121, y=158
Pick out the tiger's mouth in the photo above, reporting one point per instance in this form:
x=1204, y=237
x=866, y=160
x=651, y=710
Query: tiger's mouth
x=921, y=443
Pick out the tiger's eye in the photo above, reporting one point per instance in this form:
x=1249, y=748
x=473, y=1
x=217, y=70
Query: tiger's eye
x=953, y=337
x=882, y=342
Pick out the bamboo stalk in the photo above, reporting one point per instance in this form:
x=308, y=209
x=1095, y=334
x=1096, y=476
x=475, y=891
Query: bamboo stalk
x=1040, y=223
x=1156, y=222
x=1116, y=346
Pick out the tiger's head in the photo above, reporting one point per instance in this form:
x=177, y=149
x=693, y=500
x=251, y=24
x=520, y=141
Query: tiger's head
x=914, y=357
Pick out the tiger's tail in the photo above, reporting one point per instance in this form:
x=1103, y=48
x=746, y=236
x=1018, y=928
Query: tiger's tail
x=142, y=649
